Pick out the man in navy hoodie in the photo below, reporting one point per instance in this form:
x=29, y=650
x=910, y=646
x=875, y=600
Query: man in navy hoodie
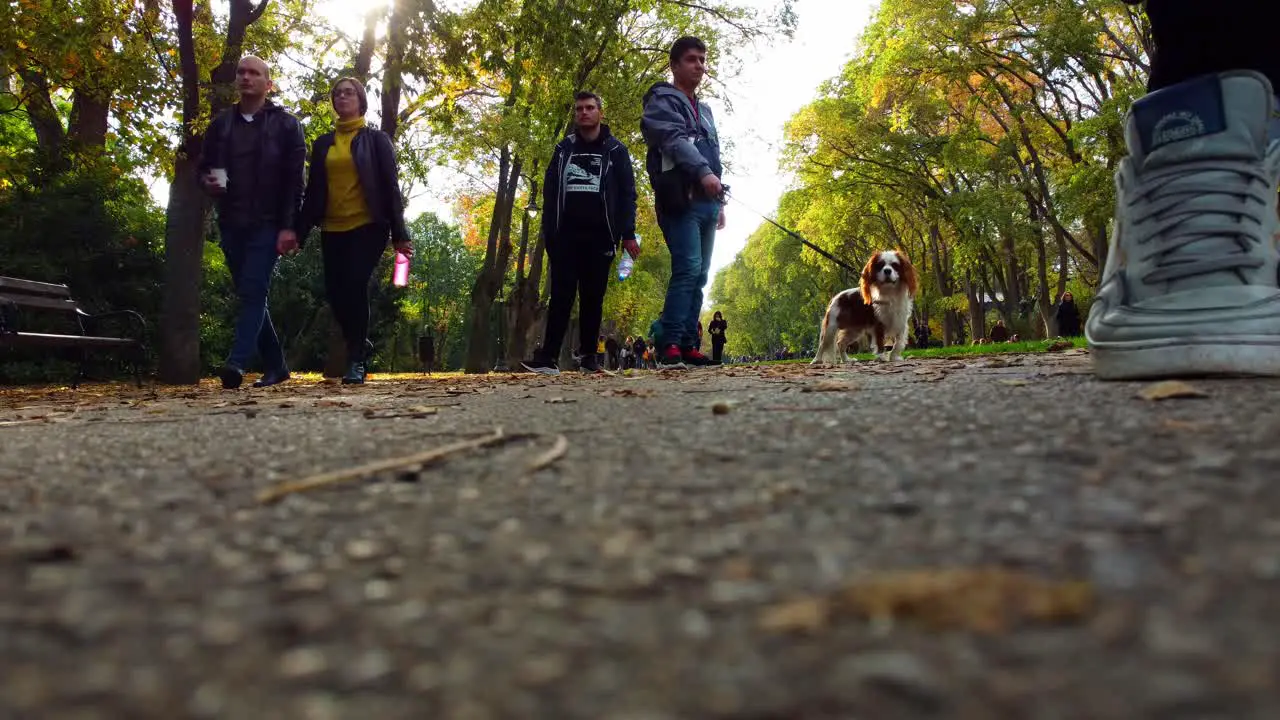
x=589, y=202
x=684, y=168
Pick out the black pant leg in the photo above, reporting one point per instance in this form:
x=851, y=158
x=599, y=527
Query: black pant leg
x=1195, y=37
x=564, y=286
x=593, y=281
x=349, y=261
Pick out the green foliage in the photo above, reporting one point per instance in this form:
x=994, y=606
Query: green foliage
x=81, y=228
x=979, y=137
x=439, y=279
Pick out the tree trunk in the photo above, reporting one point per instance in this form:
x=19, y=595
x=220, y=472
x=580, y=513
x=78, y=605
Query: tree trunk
x=392, y=79
x=942, y=275
x=364, y=55
x=524, y=299
x=179, y=359
x=1044, y=302
x=494, y=270
x=977, y=318
x=43, y=116
x=87, y=130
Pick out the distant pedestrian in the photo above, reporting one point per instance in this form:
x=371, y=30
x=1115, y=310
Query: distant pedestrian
x=718, y=339
x=1067, y=316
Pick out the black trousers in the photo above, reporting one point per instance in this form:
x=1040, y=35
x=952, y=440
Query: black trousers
x=1198, y=37
x=717, y=350
x=349, y=261
x=580, y=272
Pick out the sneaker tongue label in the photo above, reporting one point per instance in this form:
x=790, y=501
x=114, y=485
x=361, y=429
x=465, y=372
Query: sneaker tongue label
x=1189, y=110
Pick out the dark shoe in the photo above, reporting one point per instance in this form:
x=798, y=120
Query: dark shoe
x=231, y=377
x=693, y=357
x=355, y=374
x=540, y=366
x=671, y=359
x=271, y=378
x=589, y=364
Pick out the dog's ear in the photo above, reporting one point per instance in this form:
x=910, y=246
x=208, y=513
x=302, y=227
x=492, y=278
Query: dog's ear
x=908, y=273
x=868, y=273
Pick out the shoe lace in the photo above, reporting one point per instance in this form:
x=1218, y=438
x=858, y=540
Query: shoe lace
x=1189, y=203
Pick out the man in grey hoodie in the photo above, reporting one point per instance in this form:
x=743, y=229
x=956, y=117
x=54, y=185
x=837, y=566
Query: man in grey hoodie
x=683, y=163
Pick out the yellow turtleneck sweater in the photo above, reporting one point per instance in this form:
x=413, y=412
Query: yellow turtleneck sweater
x=346, y=209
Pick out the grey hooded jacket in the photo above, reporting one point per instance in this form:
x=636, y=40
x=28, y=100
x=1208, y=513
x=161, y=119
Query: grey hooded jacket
x=678, y=137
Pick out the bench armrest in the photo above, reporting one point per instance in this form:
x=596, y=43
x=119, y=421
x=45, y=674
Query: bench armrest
x=134, y=318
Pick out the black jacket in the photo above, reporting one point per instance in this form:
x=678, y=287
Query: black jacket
x=1068, y=316
x=284, y=154
x=617, y=191
x=375, y=161
x=718, y=328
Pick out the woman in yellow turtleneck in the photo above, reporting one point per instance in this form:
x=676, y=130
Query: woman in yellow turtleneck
x=353, y=194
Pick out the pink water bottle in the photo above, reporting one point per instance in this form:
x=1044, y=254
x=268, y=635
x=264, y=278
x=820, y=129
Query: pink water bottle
x=400, y=277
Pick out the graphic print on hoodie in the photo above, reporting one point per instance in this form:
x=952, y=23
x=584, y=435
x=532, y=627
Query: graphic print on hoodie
x=584, y=212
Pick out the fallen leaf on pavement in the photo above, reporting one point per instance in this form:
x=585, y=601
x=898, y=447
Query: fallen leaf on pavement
x=1015, y=383
x=1170, y=390
x=1181, y=425
x=417, y=411
x=932, y=378
x=805, y=615
x=984, y=599
x=829, y=386
x=628, y=392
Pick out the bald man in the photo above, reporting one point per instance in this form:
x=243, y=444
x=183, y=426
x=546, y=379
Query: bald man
x=252, y=164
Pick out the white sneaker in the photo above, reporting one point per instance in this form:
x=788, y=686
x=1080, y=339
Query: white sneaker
x=1190, y=285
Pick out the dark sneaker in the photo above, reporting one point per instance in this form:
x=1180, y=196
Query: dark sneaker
x=355, y=374
x=231, y=377
x=541, y=367
x=589, y=364
x=693, y=357
x=271, y=378
x=671, y=359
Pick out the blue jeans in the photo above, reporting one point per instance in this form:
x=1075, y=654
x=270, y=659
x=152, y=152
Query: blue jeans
x=251, y=257
x=690, y=236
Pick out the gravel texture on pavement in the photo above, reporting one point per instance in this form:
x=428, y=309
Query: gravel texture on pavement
x=998, y=537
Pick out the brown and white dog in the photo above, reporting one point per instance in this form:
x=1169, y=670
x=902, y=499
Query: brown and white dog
x=879, y=307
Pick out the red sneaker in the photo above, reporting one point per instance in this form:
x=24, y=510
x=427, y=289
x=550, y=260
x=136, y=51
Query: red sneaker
x=694, y=357
x=671, y=359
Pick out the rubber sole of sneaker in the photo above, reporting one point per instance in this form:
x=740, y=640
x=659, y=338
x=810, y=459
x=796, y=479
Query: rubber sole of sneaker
x=541, y=370
x=1227, y=356
x=673, y=366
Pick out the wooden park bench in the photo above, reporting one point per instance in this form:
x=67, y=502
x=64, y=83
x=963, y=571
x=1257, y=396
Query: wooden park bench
x=21, y=301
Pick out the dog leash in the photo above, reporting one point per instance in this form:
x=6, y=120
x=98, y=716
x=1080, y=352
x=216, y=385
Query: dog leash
x=794, y=234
